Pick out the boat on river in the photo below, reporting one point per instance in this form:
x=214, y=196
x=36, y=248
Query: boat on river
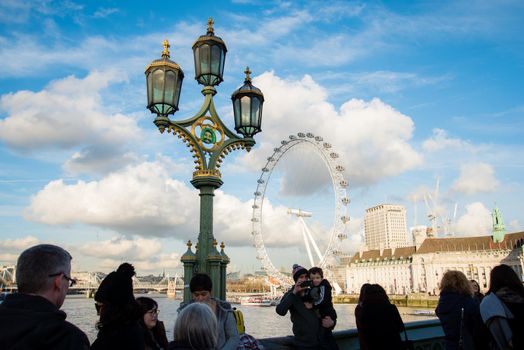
x=255, y=301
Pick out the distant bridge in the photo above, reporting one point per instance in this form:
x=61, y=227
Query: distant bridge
x=88, y=282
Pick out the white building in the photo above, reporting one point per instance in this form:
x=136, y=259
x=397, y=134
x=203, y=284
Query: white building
x=420, y=268
x=385, y=227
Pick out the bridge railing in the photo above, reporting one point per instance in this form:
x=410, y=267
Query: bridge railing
x=426, y=335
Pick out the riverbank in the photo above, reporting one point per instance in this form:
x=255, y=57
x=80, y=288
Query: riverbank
x=411, y=300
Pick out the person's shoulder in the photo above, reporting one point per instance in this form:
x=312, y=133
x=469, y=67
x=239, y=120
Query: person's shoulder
x=223, y=304
x=325, y=283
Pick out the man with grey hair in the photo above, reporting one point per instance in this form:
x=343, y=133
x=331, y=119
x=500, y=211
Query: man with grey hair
x=31, y=318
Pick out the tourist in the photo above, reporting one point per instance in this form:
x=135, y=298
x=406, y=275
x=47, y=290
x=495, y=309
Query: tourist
x=118, y=327
x=476, y=290
x=378, y=321
x=31, y=318
x=320, y=295
x=195, y=328
x=154, y=330
x=227, y=333
x=459, y=313
x=502, y=308
x=306, y=324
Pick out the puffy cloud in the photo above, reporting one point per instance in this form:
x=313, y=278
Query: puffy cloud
x=67, y=113
x=10, y=248
x=475, y=178
x=139, y=199
x=18, y=244
x=371, y=137
x=440, y=140
x=121, y=248
x=475, y=222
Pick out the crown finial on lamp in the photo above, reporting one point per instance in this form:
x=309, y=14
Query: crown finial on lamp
x=210, y=23
x=165, y=52
x=247, y=72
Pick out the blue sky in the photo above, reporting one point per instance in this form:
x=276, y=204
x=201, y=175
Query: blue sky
x=407, y=95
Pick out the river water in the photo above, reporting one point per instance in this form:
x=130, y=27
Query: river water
x=261, y=322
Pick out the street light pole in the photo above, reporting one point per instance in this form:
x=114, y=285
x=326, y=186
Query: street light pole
x=207, y=137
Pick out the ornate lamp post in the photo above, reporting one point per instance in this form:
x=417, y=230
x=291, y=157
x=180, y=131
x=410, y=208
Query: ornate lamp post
x=207, y=137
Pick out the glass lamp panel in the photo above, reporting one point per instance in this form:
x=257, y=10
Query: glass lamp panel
x=196, y=56
x=215, y=60
x=178, y=89
x=255, y=105
x=170, y=88
x=246, y=109
x=158, y=86
x=149, y=89
x=204, y=59
x=236, y=112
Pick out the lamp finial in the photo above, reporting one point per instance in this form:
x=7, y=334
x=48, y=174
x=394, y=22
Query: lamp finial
x=247, y=72
x=165, y=52
x=210, y=23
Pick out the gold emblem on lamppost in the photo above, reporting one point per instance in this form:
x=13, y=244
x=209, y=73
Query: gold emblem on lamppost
x=208, y=133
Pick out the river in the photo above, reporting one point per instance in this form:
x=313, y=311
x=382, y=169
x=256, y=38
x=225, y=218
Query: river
x=261, y=322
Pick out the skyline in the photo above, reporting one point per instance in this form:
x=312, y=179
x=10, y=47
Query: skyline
x=408, y=95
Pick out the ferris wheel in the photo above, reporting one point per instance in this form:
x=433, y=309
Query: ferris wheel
x=326, y=258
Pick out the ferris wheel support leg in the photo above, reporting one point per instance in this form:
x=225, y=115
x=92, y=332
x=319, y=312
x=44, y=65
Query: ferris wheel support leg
x=313, y=243
x=306, y=243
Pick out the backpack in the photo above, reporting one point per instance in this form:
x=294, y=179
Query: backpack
x=239, y=318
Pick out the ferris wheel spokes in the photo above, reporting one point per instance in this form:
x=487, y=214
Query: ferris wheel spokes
x=306, y=234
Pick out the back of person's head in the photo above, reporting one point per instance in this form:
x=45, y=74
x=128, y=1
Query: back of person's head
x=35, y=264
x=363, y=292
x=504, y=276
x=197, y=325
x=117, y=287
x=456, y=282
x=199, y=282
x=375, y=294
x=317, y=271
x=115, y=294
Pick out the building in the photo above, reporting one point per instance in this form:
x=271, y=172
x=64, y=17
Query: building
x=420, y=268
x=385, y=227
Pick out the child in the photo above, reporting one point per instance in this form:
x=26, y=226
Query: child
x=320, y=294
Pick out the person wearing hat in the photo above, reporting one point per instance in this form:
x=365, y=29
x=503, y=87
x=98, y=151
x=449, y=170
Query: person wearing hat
x=306, y=324
x=118, y=327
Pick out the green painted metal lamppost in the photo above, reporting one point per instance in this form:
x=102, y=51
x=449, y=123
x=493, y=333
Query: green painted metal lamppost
x=207, y=137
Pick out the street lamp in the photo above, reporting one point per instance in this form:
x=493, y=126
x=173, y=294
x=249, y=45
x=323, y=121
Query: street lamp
x=207, y=137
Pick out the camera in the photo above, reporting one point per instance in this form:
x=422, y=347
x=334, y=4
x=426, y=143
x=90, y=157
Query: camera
x=305, y=284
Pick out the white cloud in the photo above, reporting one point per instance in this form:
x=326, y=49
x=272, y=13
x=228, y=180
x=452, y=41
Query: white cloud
x=475, y=178
x=440, y=140
x=18, y=244
x=66, y=114
x=139, y=199
x=475, y=222
x=371, y=137
x=514, y=226
x=122, y=248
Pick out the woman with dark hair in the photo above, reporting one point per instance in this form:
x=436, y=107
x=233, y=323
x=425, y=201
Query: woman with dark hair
x=476, y=290
x=378, y=322
x=459, y=313
x=118, y=327
x=502, y=308
x=154, y=330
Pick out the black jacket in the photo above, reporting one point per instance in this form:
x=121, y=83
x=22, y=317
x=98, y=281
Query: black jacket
x=306, y=324
x=124, y=337
x=379, y=326
x=33, y=322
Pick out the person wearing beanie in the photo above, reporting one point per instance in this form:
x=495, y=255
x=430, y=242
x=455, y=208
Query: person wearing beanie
x=306, y=324
x=118, y=327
